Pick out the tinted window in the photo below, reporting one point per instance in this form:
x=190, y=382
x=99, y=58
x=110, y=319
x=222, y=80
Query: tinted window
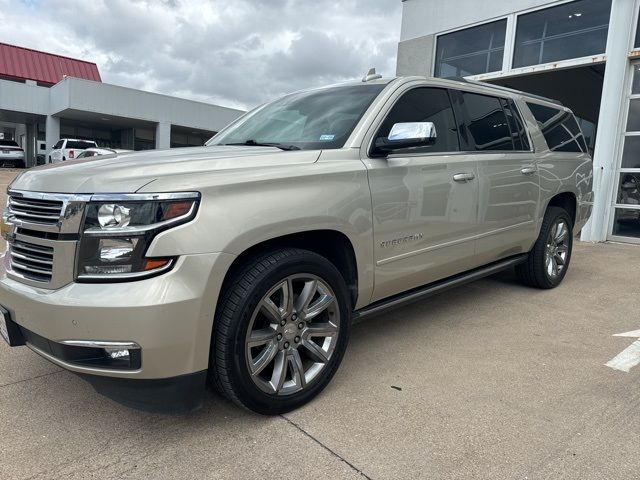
x=471, y=51
x=572, y=30
x=631, y=152
x=8, y=143
x=636, y=42
x=425, y=105
x=486, y=122
x=560, y=129
x=58, y=145
x=516, y=125
x=79, y=145
x=316, y=119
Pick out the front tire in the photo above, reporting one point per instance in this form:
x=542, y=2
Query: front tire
x=548, y=261
x=280, y=331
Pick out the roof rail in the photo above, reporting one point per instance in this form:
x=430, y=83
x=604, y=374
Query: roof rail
x=504, y=89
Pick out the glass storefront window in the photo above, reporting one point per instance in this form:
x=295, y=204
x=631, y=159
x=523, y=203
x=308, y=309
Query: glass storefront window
x=626, y=222
x=472, y=51
x=626, y=217
x=633, y=119
x=572, y=30
x=629, y=189
x=631, y=152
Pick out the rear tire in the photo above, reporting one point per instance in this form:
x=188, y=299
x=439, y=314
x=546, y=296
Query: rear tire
x=280, y=331
x=548, y=261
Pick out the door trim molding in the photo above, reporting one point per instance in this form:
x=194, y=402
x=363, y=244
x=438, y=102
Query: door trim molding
x=452, y=243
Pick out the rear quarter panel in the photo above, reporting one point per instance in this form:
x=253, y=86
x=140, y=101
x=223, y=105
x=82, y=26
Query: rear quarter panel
x=559, y=172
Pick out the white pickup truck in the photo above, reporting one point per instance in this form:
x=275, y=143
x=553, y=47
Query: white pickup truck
x=68, y=149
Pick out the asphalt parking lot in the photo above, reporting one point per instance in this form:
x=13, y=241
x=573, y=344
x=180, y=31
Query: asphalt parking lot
x=490, y=380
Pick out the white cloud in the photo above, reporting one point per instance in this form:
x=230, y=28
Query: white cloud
x=236, y=53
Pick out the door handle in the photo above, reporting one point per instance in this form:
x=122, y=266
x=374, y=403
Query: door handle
x=529, y=170
x=463, y=177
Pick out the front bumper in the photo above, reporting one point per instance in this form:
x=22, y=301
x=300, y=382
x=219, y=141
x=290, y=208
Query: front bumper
x=170, y=316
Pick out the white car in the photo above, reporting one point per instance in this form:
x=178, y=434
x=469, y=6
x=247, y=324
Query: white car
x=96, y=152
x=68, y=149
x=11, y=154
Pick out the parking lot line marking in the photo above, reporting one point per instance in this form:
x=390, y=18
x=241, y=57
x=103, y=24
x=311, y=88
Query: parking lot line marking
x=630, y=356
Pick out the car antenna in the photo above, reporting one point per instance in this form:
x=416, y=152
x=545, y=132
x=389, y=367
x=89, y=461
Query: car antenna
x=371, y=75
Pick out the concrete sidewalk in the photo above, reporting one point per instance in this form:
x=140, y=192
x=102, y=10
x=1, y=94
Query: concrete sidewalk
x=490, y=380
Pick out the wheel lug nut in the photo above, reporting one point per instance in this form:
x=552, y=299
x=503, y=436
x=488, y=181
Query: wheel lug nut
x=286, y=344
x=297, y=339
x=279, y=336
x=283, y=323
x=294, y=317
x=301, y=325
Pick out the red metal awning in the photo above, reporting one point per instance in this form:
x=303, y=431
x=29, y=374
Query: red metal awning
x=26, y=64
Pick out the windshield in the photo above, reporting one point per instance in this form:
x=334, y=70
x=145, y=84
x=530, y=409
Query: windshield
x=318, y=119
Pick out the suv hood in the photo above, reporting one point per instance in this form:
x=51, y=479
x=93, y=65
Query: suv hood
x=128, y=172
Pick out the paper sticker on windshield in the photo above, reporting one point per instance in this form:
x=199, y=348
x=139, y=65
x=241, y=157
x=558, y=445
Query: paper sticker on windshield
x=327, y=138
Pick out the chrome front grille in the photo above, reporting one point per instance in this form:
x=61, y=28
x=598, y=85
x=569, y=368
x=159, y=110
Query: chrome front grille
x=35, y=210
x=31, y=261
x=42, y=232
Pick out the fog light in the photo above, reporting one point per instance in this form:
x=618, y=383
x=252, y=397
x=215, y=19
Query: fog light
x=106, y=269
x=114, y=249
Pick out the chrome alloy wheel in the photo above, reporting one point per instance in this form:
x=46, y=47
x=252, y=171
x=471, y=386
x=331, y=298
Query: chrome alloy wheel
x=292, y=334
x=557, y=249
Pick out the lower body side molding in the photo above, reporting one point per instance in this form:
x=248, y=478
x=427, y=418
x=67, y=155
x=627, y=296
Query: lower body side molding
x=430, y=289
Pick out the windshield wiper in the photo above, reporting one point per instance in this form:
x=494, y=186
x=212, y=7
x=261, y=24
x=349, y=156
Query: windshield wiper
x=253, y=143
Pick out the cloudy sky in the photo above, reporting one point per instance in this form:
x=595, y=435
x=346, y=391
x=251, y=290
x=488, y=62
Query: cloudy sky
x=237, y=53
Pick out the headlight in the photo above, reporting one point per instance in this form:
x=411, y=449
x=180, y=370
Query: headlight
x=118, y=230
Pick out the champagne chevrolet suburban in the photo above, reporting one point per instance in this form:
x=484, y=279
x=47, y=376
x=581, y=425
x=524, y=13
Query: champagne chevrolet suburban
x=243, y=263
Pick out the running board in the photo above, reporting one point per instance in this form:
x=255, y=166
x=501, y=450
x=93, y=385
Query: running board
x=421, y=293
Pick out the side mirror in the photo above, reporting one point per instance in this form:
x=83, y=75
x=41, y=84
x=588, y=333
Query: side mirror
x=407, y=135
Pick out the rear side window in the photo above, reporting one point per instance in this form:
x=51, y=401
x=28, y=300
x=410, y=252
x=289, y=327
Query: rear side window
x=560, y=129
x=487, y=122
x=516, y=126
x=425, y=104
x=80, y=145
x=8, y=143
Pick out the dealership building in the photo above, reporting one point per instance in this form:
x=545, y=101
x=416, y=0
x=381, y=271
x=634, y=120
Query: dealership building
x=584, y=53
x=45, y=97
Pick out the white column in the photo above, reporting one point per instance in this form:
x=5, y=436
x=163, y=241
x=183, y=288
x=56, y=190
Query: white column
x=609, y=138
x=52, y=131
x=163, y=136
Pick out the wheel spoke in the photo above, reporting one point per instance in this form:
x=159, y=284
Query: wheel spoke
x=270, y=310
x=561, y=232
x=319, y=305
x=554, y=266
x=562, y=249
x=287, y=298
x=260, y=337
x=549, y=265
x=326, y=329
x=265, y=357
x=559, y=259
x=297, y=369
x=279, y=371
x=314, y=350
x=307, y=294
